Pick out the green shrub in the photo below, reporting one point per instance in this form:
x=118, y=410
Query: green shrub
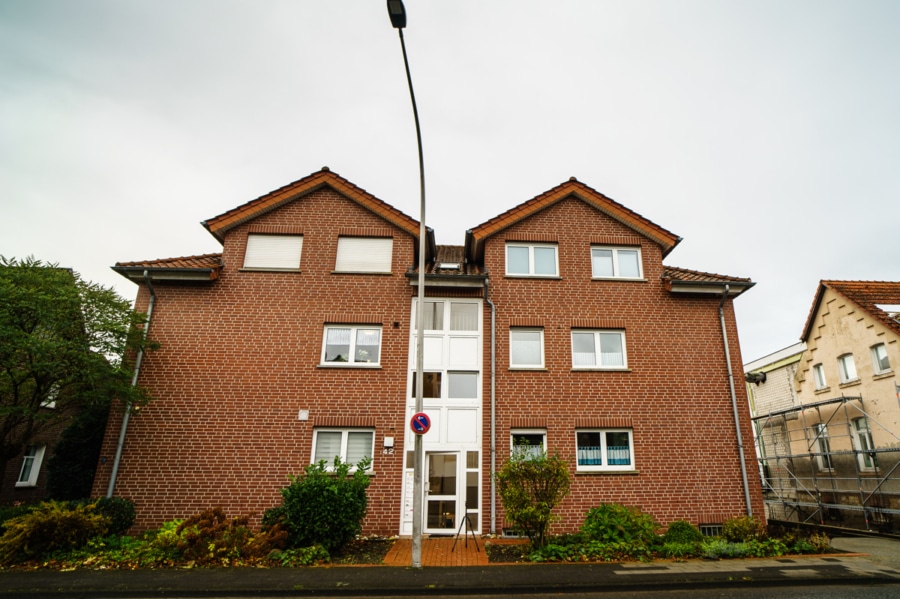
x=302, y=556
x=743, y=528
x=682, y=531
x=325, y=508
x=120, y=512
x=616, y=523
x=720, y=548
x=530, y=486
x=51, y=526
x=676, y=549
x=211, y=537
x=8, y=512
x=70, y=471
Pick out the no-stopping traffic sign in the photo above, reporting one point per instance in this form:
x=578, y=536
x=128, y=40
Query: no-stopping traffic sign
x=420, y=423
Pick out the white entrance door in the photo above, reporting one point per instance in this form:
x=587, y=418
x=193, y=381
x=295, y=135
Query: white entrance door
x=441, y=492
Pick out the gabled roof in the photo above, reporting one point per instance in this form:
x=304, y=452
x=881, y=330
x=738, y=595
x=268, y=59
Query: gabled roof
x=220, y=225
x=205, y=267
x=683, y=280
x=865, y=294
x=571, y=188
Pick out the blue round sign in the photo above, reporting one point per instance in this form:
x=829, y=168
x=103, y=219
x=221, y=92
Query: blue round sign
x=420, y=423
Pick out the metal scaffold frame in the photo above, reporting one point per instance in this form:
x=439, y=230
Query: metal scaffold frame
x=819, y=464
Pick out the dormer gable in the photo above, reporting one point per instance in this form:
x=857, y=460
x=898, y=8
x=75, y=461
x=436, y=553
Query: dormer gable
x=572, y=188
x=219, y=226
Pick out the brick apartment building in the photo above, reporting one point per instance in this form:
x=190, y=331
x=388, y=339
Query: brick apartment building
x=556, y=324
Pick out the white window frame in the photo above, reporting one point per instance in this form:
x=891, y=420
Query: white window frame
x=364, y=255
x=823, y=446
x=598, y=353
x=862, y=440
x=31, y=466
x=273, y=252
x=49, y=402
x=512, y=343
x=879, y=355
x=819, y=377
x=531, y=271
x=615, y=262
x=604, y=466
x=847, y=368
x=345, y=436
x=353, y=361
x=521, y=450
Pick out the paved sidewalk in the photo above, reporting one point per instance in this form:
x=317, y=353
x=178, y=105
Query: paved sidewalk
x=848, y=569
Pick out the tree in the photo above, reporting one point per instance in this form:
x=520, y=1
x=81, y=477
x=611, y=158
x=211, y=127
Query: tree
x=531, y=484
x=64, y=342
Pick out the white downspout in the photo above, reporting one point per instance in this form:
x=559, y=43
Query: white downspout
x=734, y=407
x=134, y=378
x=493, y=412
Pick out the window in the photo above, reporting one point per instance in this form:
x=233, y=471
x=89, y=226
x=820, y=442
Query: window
x=847, y=368
x=863, y=440
x=824, y=447
x=880, y=359
x=50, y=401
x=598, y=349
x=364, y=254
x=613, y=262
x=360, y=346
x=351, y=445
x=526, y=348
x=273, y=252
x=431, y=384
x=31, y=466
x=463, y=316
x=531, y=260
x=528, y=442
x=819, y=375
x=604, y=450
x=462, y=385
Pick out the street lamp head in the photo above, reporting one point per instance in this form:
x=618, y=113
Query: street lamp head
x=397, y=13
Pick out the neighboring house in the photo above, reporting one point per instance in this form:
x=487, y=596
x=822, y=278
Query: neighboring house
x=771, y=385
x=839, y=464
x=25, y=479
x=556, y=324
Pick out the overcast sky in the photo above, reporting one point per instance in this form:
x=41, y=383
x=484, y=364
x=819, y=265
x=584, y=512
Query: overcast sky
x=765, y=133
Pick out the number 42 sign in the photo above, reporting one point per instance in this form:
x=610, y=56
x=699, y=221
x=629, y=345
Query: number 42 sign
x=420, y=423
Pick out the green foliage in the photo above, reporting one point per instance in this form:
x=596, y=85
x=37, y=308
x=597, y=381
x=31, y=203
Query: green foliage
x=51, y=526
x=119, y=511
x=324, y=507
x=211, y=537
x=679, y=549
x=682, y=531
x=302, y=556
x=62, y=339
x=70, y=471
x=8, y=512
x=743, y=528
x=617, y=523
x=576, y=548
x=803, y=541
x=720, y=548
x=530, y=486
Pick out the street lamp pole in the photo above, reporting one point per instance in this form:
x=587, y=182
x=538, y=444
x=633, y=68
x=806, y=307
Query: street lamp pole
x=397, y=13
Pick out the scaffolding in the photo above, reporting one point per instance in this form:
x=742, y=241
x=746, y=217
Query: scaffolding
x=830, y=463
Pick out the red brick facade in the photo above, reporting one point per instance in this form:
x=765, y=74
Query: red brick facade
x=241, y=350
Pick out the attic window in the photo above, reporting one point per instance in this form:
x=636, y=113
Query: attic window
x=273, y=252
x=449, y=265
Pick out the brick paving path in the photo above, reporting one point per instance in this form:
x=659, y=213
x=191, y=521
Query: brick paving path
x=439, y=551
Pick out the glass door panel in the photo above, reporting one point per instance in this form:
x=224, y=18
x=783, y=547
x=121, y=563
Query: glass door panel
x=441, y=492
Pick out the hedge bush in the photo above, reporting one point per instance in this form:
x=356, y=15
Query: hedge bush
x=323, y=507
x=617, y=523
x=51, y=526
